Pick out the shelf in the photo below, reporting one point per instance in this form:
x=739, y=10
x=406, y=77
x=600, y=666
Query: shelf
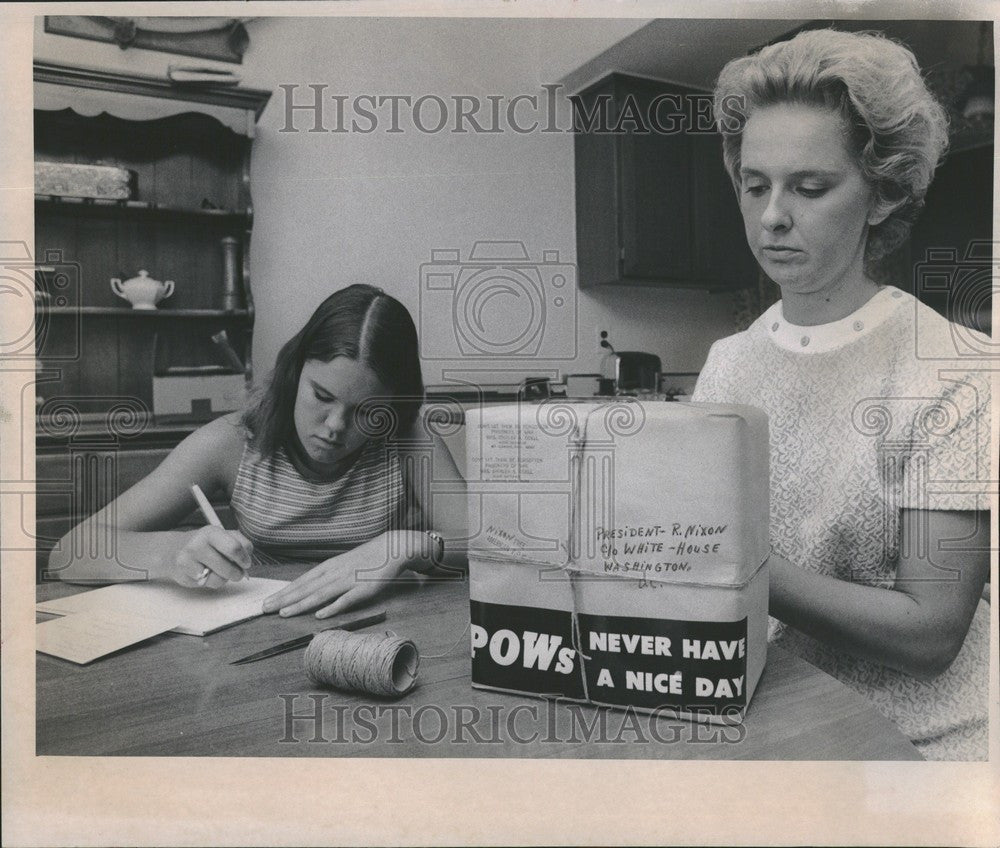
x=93, y=427
x=135, y=209
x=92, y=91
x=73, y=77
x=189, y=147
x=117, y=311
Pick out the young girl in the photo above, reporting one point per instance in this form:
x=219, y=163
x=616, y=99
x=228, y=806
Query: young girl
x=879, y=429
x=316, y=471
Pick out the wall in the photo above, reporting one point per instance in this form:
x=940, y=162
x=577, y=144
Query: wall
x=333, y=209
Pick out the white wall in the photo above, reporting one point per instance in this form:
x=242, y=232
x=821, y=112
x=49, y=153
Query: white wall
x=334, y=209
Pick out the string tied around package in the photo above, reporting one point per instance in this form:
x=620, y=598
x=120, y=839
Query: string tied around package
x=374, y=663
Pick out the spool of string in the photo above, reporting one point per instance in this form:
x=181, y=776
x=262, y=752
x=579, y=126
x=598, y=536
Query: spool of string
x=375, y=663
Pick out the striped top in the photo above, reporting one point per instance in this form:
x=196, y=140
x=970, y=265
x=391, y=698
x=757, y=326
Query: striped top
x=290, y=518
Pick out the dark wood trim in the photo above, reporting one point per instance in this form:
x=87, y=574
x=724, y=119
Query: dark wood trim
x=165, y=312
x=93, y=430
x=250, y=99
x=133, y=208
x=246, y=198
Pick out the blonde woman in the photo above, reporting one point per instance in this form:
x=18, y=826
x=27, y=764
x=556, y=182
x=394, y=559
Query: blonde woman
x=879, y=526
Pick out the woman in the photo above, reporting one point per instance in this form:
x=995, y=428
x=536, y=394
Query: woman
x=878, y=461
x=315, y=467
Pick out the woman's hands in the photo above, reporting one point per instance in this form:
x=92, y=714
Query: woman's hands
x=348, y=580
x=225, y=553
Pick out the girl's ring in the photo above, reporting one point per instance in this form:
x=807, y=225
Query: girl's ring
x=201, y=578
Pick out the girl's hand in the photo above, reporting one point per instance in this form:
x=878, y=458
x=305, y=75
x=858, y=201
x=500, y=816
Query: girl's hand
x=344, y=581
x=225, y=553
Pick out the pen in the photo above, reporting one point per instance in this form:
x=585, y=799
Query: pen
x=211, y=518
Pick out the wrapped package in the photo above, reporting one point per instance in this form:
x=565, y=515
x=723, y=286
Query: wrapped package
x=619, y=553
x=68, y=179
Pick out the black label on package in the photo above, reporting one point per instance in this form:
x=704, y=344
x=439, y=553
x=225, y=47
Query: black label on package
x=527, y=649
x=697, y=666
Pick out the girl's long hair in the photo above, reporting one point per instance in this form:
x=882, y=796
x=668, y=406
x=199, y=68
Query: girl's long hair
x=362, y=323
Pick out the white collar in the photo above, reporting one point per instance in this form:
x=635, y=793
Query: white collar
x=821, y=338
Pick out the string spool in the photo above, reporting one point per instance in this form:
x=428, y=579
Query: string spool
x=374, y=663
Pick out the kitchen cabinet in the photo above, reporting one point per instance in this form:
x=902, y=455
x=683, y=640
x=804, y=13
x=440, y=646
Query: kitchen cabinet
x=654, y=205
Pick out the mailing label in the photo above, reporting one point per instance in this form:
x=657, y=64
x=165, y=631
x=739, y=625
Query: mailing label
x=527, y=649
x=650, y=663
x=696, y=666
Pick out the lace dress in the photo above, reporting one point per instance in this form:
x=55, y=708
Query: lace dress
x=883, y=410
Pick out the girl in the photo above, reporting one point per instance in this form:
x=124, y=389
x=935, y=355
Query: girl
x=316, y=470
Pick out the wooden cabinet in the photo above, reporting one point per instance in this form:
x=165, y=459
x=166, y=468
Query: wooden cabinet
x=189, y=151
x=654, y=205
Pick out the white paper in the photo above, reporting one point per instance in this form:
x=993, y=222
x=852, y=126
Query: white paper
x=195, y=612
x=85, y=636
x=663, y=492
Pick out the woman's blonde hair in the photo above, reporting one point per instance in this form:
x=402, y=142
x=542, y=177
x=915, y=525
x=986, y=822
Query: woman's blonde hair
x=896, y=129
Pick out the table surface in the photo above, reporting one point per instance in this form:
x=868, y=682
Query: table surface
x=179, y=695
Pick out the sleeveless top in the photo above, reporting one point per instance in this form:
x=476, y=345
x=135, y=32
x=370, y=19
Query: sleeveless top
x=291, y=518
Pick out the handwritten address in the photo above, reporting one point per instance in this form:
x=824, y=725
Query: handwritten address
x=658, y=548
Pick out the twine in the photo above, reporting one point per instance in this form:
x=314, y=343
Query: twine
x=375, y=663
x=451, y=650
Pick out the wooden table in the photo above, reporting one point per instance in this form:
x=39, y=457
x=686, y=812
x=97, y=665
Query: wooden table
x=178, y=695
